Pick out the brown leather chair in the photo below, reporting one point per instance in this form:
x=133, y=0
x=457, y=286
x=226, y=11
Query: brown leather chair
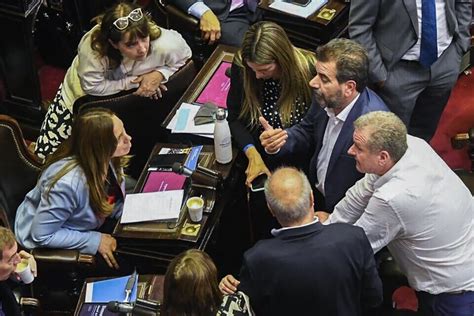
x=188, y=26
x=59, y=270
x=142, y=117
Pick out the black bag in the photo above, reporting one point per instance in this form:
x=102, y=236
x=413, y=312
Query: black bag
x=56, y=36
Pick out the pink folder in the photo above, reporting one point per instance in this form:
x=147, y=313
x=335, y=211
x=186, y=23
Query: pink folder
x=217, y=87
x=158, y=181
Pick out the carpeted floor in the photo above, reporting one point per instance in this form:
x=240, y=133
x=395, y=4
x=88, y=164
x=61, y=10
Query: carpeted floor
x=458, y=117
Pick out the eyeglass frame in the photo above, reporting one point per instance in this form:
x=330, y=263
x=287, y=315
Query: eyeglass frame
x=128, y=17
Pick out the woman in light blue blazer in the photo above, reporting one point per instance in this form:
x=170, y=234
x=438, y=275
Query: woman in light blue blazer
x=81, y=185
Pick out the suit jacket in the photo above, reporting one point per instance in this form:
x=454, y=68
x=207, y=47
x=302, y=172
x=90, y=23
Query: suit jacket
x=312, y=270
x=309, y=133
x=388, y=28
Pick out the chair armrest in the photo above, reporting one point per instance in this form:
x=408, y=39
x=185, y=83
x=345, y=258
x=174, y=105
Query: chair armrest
x=67, y=256
x=29, y=305
x=185, y=21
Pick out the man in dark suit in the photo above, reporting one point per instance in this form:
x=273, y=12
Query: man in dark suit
x=223, y=21
x=307, y=268
x=415, y=49
x=325, y=134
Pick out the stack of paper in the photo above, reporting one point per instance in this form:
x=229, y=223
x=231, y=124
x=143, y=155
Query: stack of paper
x=183, y=122
x=152, y=206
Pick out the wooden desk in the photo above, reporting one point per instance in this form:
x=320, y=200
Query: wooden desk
x=315, y=30
x=221, y=53
x=150, y=288
x=156, y=244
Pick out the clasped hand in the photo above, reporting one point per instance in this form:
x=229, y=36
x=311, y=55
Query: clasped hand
x=150, y=85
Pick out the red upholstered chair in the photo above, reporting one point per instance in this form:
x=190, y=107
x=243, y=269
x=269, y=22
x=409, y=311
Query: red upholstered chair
x=464, y=141
x=19, y=170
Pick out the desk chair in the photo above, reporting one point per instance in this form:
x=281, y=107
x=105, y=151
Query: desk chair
x=188, y=26
x=142, y=117
x=19, y=170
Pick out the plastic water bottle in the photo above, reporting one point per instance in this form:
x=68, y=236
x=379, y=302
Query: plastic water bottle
x=222, y=139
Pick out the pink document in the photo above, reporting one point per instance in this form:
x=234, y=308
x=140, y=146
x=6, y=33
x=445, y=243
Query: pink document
x=217, y=87
x=158, y=181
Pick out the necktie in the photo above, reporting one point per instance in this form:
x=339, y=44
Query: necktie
x=429, y=44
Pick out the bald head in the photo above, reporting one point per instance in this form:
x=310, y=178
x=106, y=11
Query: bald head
x=289, y=196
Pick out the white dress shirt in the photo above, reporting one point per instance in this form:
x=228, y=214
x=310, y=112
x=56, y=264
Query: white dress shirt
x=424, y=213
x=443, y=37
x=333, y=129
x=199, y=8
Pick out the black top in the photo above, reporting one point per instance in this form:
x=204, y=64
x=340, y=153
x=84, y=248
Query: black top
x=8, y=303
x=240, y=129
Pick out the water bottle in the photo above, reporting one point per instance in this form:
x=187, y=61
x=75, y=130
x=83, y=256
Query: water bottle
x=222, y=138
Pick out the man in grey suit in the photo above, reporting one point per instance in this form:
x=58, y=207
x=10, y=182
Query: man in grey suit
x=223, y=21
x=415, y=49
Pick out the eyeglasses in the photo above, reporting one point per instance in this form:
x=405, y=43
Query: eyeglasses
x=122, y=23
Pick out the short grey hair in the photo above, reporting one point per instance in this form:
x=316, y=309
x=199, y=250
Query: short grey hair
x=387, y=132
x=291, y=209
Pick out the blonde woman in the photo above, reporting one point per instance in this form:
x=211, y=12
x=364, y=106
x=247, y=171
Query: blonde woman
x=269, y=78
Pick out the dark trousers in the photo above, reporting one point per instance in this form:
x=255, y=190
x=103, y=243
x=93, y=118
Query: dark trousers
x=446, y=304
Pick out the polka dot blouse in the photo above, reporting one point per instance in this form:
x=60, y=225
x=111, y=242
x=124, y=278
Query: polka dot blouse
x=271, y=93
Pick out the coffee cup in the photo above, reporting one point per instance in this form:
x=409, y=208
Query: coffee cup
x=24, y=271
x=195, y=205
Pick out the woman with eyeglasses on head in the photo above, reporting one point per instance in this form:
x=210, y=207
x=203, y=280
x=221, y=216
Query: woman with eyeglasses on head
x=270, y=79
x=80, y=187
x=126, y=50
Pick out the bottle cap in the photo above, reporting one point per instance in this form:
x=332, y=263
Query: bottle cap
x=220, y=114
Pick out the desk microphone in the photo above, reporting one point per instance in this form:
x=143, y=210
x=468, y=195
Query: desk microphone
x=201, y=175
x=119, y=307
x=140, y=307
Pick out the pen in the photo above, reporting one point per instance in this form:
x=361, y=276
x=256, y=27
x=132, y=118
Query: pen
x=129, y=286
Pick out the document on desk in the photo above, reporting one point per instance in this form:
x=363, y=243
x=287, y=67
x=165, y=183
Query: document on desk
x=299, y=10
x=152, y=206
x=104, y=291
x=183, y=122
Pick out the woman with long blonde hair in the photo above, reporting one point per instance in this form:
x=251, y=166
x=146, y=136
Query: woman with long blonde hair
x=270, y=79
x=81, y=185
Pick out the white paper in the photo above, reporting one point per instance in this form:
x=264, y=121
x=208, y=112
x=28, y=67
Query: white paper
x=205, y=130
x=303, y=11
x=151, y=206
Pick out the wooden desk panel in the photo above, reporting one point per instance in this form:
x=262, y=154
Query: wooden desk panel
x=149, y=240
x=313, y=31
x=221, y=53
